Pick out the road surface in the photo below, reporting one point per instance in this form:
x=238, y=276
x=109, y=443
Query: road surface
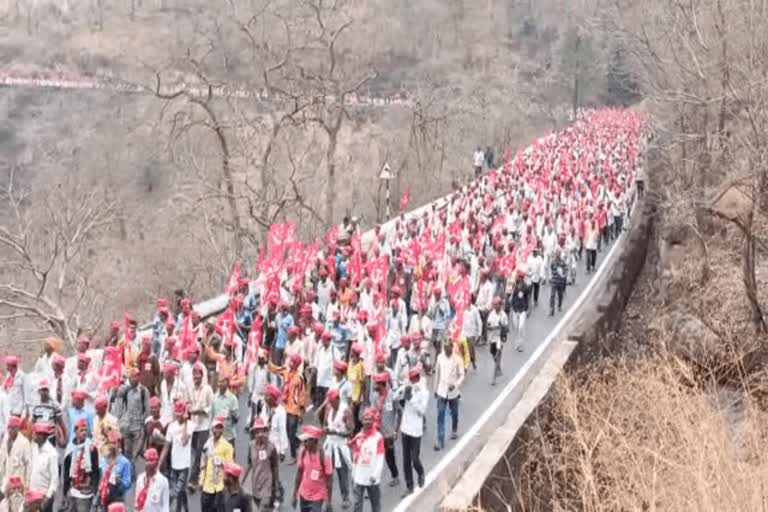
x=477, y=394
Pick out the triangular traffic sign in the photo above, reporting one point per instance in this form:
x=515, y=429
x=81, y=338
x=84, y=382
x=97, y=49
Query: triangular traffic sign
x=386, y=172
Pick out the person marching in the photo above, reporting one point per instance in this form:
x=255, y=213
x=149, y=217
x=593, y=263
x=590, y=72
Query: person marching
x=368, y=463
x=235, y=497
x=81, y=470
x=216, y=453
x=496, y=328
x=263, y=462
x=313, y=487
x=152, y=493
x=411, y=427
x=336, y=417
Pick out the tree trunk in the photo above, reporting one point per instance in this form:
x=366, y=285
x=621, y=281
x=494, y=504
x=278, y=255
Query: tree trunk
x=576, y=72
x=750, y=281
x=330, y=195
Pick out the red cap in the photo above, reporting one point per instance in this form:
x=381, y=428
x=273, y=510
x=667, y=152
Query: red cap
x=154, y=401
x=233, y=470
x=44, y=384
x=294, y=330
x=381, y=358
x=496, y=300
x=414, y=372
x=59, y=360
x=219, y=421
x=81, y=423
x=340, y=365
x=369, y=414
x=295, y=360
x=79, y=394
x=11, y=360
x=170, y=369
x=34, y=496
x=332, y=394
x=357, y=348
x=180, y=407
x=101, y=401
x=42, y=428
x=273, y=391
x=198, y=367
x=151, y=455
x=258, y=423
x=83, y=358
x=14, y=421
x=116, y=507
x=327, y=336
x=381, y=377
x=318, y=328
x=14, y=481
x=146, y=341
x=311, y=432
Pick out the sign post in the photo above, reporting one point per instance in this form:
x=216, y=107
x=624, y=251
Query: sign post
x=387, y=175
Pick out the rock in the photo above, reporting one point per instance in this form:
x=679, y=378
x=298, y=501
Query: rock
x=690, y=338
x=682, y=259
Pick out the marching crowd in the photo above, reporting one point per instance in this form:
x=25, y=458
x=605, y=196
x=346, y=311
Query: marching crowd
x=338, y=348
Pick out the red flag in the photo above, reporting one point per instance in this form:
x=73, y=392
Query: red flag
x=405, y=199
x=280, y=237
x=254, y=342
x=127, y=322
x=233, y=283
x=355, y=266
x=111, y=369
x=332, y=238
x=378, y=270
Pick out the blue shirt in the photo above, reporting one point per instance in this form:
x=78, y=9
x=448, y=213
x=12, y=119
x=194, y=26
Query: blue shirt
x=250, y=304
x=283, y=322
x=76, y=414
x=339, y=336
x=441, y=315
x=121, y=472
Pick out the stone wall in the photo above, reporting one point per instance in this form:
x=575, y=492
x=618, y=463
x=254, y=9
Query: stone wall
x=599, y=318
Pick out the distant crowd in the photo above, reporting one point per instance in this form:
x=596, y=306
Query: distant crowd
x=329, y=355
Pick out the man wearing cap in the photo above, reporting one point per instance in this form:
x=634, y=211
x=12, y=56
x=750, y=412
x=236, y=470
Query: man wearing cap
x=201, y=398
x=325, y=355
x=58, y=363
x=325, y=288
x=440, y=313
x=216, y=453
x=80, y=471
x=518, y=301
x=415, y=397
x=172, y=390
x=226, y=405
x=15, y=454
x=148, y=366
x=235, y=498
x=293, y=384
x=45, y=465
x=14, y=387
x=559, y=272
x=275, y=417
x=115, y=478
x=103, y=424
x=449, y=376
x=313, y=486
x=283, y=321
x=294, y=344
x=46, y=410
x=368, y=463
x=152, y=493
x=84, y=378
x=340, y=334
x=472, y=330
x=178, y=447
x=154, y=428
x=263, y=467
x=187, y=368
x=496, y=329
x=387, y=413
x=162, y=315
x=356, y=377
x=78, y=410
x=132, y=400
x=35, y=500
x=43, y=366
x=13, y=499
x=338, y=422
x=259, y=377
x=395, y=328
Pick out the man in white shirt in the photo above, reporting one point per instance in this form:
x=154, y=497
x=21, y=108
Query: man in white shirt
x=449, y=375
x=497, y=328
x=368, y=462
x=325, y=355
x=472, y=329
x=172, y=390
x=416, y=397
x=485, y=299
x=477, y=161
x=179, y=444
x=275, y=416
x=152, y=494
x=45, y=465
x=201, y=398
x=535, y=271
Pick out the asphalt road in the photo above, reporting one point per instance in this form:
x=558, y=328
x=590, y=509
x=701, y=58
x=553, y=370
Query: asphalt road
x=477, y=393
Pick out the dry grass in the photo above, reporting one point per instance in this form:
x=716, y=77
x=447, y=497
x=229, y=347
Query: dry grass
x=640, y=437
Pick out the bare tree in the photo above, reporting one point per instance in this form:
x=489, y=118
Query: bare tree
x=46, y=283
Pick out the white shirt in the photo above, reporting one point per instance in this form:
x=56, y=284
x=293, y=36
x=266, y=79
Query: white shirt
x=158, y=495
x=45, y=469
x=496, y=321
x=412, y=422
x=368, y=462
x=478, y=158
x=535, y=268
x=449, y=375
x=473, y=324
x=324, y=358
x=181, y=451
x=485, y=295
x=201, y=399
x=169, y=396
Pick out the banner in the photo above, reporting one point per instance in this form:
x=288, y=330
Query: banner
x=233, y=283
x=110, y=371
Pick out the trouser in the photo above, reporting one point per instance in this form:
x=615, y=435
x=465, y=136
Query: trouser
x=556, y=296
x=211, y=502
x=478, y=171
x=640, y=187
x=591, y=259
x=518, y=326
x=177, y=484
x=356, y=416
x=412, y=460
x=79, y=504
x=198, y=442
x=389, y=457
x=310, y=506
x=535, y=288
x=618, y=225
x=292, y=427
x=484, y=321
x=133, y=446
x=374, y=494
x=453, y=405
x=48, y=507
x=496, y=349
x=320, y=392
x=393, y=356
x=342, y=471
x=471, y=342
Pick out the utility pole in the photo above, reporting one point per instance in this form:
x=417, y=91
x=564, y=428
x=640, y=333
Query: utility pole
x=387, y=175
